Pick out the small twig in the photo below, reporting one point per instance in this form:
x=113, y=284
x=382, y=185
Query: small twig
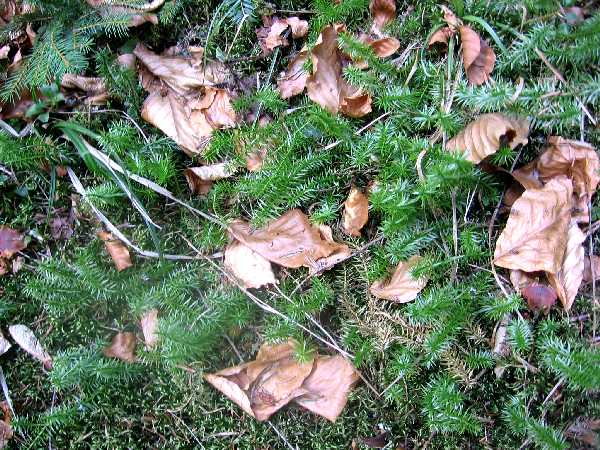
x=281, y=436
x=369, y=125
x=553, y=391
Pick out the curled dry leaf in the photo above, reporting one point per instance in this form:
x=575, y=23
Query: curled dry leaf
x=402, y=287
x=486, y=134
x=26, y=339
x=478, y=57
x=450, y=18
x=539, y=297
x=149, y=324
x=341, y=252
x=117, y=251
x=248, y=266
x=11, y=242
x=4, y=344
x=326, y=86
x=588, y=274
x=293, y=80
x=275, y=378
x=200, y=179
x=383, y=12
x=440, y=38
x=356, y=212
x=534, y=237
x=270, y=35
x=290, y=241
x=6, y=431
x=93, y=88
x=567, y=280
x=122, y=347
x=520, y=280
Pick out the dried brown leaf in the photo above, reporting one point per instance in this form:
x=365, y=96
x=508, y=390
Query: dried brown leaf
x=535, y=233
x=94, y=88
x=356, y=212
x=200, y=179
x=6, y=431
x=383, y=12
x=149, y=324
x=450, y=18
x=567, y=280
x=290, y=241
x=478, y=57
x=138, y=14
x=340, y=253
x=11, y=242
x=122, y=347
x=588, y=275
x=117, y=251
x=402, y=287
x=440, y=39
x=248, y=266
x=584, y=430
x=270, y=35
x=486, y=134
x=26, y=339
x=292, y=81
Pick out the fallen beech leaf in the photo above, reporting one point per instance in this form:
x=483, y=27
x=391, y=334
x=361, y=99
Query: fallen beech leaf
x=356, y=212
x=293, y=80
x=588, y=276
x=450, y=18
x=402, y=286
x=122, y=347
x=255, y=160
x=535, y=233
x=4, y=344
x=383, y=12
x=382, y=47
x=378, y=441
x=539, y=297
x=6, y=431
x=574, y=159
x=326, y=85
x=270, y=35
x=117, y=251
x=290, y=241
x=26, y=339
x=93, y=87
x=200, y=179
x=340, y=253
x=486, y=134
x=567, y=280
x=584, y=430
x=581, y=208
x=149, y=324
x=478, y=57
x=440, y=38
x=248, y=266
x=520, y=280
x=328, y=386
x=11, y=242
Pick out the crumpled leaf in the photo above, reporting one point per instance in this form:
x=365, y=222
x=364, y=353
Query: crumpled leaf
x=539, y=297
x=478, y=57
x=149, y=324
x=290, y=241
x=486, y=134
x=440, y=38
x=292, y=81
x=356, y=212
x=567, y=280
x=11, y=242
x=275, y=378
x=4, y=345
x=122, y=347
x=534, y=238
x=402, y=287
x=248, y=266
x=383, y=12
x=6, y=431
x=139, y=14
x=26, y=339
x=341, y=252
x=575, y=159
x=117, y=251
x=326, y=86
x=270, y=35
x=93, y=88
x=200, y=179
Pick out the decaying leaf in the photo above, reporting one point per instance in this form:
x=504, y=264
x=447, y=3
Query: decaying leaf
x=122, y=347
x=200, y=179
x=248, y=266
x=290, y=241
x=383, y=12
x=575, y=159
x=478, y=57
x=6, y=431
x=567, y=280
x=293, y=80
x=93, y=88
x=486, y=134
x=4, y=345
x=520, y=280
x=11, y=242
x=326, y=86
x=275, y=378
x=271, y=34
x=149, y=324
x=356, y=212
x=440, y=38
x=539, y=297
x=534, y=237
x=588, y=275
x=341, y=252
x=402, y=287
x=117, y=251
x=584, y=430
x=26, y=339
